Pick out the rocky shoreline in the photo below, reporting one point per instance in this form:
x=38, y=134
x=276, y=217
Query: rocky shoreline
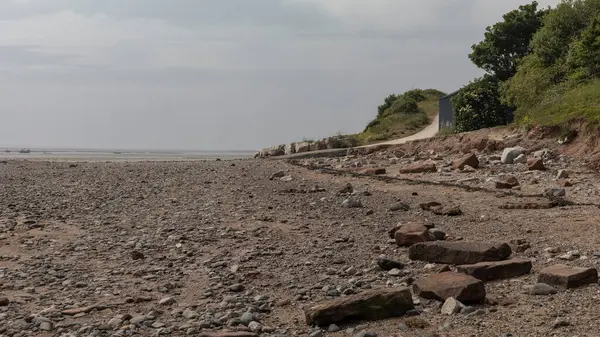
x=351, y=246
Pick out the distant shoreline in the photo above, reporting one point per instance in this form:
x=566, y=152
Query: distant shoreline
x=120, y=155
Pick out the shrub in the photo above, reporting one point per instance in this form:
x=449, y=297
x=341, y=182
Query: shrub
x=478, y=105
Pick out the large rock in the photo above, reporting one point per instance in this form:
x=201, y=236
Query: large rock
x=369, y=305
x=412, y=233
x=419, y=168
x=290, y=148
x=568, y=277
x=459, y=253
x=463, y=288
x=302, y=147
x=469, y=159
x=488, y=271
x=510, y=154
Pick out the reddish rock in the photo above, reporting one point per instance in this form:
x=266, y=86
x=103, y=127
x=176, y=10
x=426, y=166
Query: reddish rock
x=488, y=271
x=536, y=164
x=463, y=288
x=469, y=159
x=568, y=277
x=448, y=210
x=368, y=305
x=565, y=183
x=392, y=232
x=459, y=252
x=411, y=233
x=419, y=168
x=429, y=205
x=507, y=183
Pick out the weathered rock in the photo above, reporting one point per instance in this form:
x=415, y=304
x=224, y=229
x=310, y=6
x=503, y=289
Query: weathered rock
x=399, y=206
x=419, y=168
x=369, y=305
x=459, y=253
x=347, y=189
x=429, y=205
x=562, y=174
x=412, y=233
x=387, y=264
x=555, y=192
x=521, y=159
x=447, y=210
x=568, y=277
x=373, y=171
x=302, y=147
x=463, y=288
x=277, y=175
x=451, y=306
x=535, y=164
x=507, y=183
x=229, y=334
x=542, y=289
x=352, y=202
x=468, y=159
x=488, y=271
x=290, y=148
x=4, y=301
x=437, y=233
x=509, y=154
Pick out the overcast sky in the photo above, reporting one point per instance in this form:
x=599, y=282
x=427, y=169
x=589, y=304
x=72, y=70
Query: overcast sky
x=222, y=74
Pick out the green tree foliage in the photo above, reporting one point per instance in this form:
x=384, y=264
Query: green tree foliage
x=508, y=41
x=387, y=104
x=478, y=105
x=584, y=55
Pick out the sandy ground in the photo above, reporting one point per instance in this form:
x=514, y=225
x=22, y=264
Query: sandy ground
x=179, y=248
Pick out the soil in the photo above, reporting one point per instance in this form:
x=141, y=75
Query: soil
x=183, y=248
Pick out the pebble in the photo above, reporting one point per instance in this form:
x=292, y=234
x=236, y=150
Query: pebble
x=317, y=333
x=333, y=328
x=366, y=334
x=167, y=301
x=254, y=326
x=247, y=317
x=467, y=310
x=559, y=323
x=395, y=272
x=46, y=326
x=237, y=287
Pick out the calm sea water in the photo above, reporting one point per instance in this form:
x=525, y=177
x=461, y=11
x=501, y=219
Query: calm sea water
x=116, y=154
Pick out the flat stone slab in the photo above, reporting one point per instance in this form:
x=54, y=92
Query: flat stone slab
x=411, y=233
x=373, y=304
x=564, y=276
x=488, y=271
x=463, y=288
x=459, y=253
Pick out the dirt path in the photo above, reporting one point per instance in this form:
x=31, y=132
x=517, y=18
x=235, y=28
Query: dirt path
x=430, y=131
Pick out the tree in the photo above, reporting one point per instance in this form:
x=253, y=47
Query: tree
x=508, y=41
x=477, y=105
x=584, y=56
x=387, y=104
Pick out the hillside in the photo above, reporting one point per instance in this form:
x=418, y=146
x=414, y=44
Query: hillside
x=402, y=115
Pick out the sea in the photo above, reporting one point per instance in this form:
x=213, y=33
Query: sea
x=119, y=154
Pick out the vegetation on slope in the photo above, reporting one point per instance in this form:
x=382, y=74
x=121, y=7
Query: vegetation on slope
x=402, y=115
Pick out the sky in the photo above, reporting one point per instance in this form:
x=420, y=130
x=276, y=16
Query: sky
x=222, y=74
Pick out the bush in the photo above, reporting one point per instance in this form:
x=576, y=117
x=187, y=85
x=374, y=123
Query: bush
x=387, y=104
x=478, y=105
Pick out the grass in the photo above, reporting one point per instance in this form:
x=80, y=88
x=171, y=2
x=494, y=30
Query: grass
x=402, y=125
x=566, y=106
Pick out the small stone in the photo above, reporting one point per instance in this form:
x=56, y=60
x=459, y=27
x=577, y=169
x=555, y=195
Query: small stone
x=469, y=159
x=536, y=164
x=387, y=264
x=403, y=327
x=158, y=325
x=451, y=306
x=562, y=174
x=317, y=333
x=278, y=174
x=189, y=314
x=167, y=301
x=395, y=272
x=366, y=334
x=136, y=255
x=399, y=206
x=246, y=318
x=237, y=287
x=437, y=233
x=352, y=202
x=507, y=183
x=333, y=328
x=286, y=178
x=542, y=289
x=559, y=323
x=555, y=192
x=4, y=301
x=254, y=326
x=467, y=310
x=521, y=159
x=509, y=154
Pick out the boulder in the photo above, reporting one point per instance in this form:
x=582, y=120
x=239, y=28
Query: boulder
x=469, y=159
x=368, y=305
x=302, y=147
x=412, y=233
x=290, y=148
x=509, y=154
x=459, y=253
x=419, y=168
x=274, y=151
x=535, y=164
x=463, y=288
x=488, y=271
x=568, y=277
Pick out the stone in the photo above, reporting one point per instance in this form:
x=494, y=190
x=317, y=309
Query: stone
x=459, y=252
x=229, y=334
x=427, y=206
x=555, y=192
x=190, y=314
x=509, y=154
x=387, y=264
x=366, y=334
x=352, y=202
x=236, y=287
x=541, y=289
x=4, y=301
x=46, y=326
x=247, y=317
x=290, y=149
x=463, y=288
x=277, y=175
x=437, y=233
x=399, y=206
x=347, y=189
x=567, y=277
x=368, y=305
x=317, y=333
x=468, y=159
x=536, y=164
x=507, y=183
x=333, y=328
x=562, y=174
x=167, y=301
x=467, y=310
x=424, y=167
x=412, y=233
x=488, y=271
x=521, y=159
x=559, y=323
x=302, y=147
x=451, y=306
x=254, y=326
x=447, y=211
x=373, y=171
x=395, y=272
